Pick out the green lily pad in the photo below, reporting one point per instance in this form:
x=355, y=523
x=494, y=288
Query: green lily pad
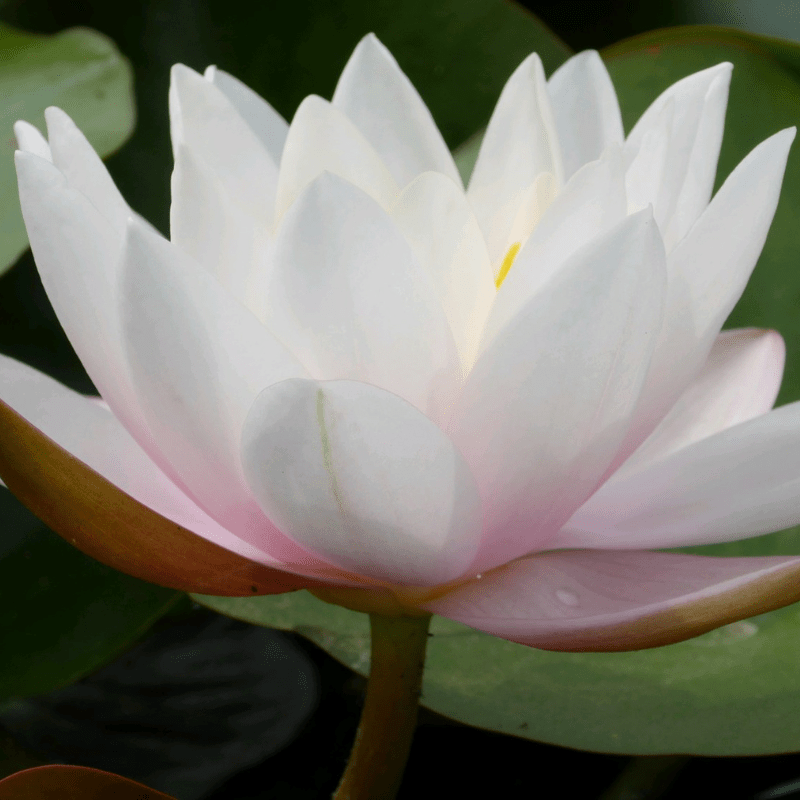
x=78, y=70
x=63, y=614
x=733, y=691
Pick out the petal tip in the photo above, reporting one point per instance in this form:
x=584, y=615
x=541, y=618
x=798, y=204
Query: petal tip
x=58, y=122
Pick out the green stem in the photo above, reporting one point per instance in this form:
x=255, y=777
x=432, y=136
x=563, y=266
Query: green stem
x=383, y=739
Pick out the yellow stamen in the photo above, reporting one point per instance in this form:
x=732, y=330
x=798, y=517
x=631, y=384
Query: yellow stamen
x=507, y=262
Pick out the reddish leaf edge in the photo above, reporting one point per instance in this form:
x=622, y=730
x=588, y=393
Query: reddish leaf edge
x=67, y=782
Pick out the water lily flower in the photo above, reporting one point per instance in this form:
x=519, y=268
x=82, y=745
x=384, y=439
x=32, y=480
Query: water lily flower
x=346, y=371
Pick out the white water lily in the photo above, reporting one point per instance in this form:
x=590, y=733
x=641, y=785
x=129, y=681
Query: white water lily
x=491, y=403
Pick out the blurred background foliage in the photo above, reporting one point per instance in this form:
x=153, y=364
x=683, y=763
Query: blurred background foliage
x=62, y=615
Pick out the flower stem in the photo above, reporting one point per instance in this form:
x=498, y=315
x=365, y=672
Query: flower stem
x=383, y=739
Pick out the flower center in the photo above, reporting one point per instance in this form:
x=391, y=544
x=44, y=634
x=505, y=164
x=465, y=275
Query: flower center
x=508, y=260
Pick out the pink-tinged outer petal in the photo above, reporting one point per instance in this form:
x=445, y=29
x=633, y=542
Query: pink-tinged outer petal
x=586, y=110
x=323, y=139
x=615, y=601
x=521, y=142
x=591, y=204
x=546, y=406
x=203, y=119
x=83, y=169
x=384, y=105
x=199, y=360
x=30, y=139
x=265, y=122
x=353, y=303
x=739, y=381
x=86, y=428
x=707, y=273
x=109, y=525
x=741, y=482
x=360, y=476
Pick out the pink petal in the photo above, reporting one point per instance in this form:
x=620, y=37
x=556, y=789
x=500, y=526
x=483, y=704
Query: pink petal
x=89, y=431
x=741, y=482
x=739, y=381
x=612, y=601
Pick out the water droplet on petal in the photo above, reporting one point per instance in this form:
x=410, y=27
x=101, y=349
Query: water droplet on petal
x=567, y=598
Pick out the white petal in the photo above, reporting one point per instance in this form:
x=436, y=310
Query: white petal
x=77, y=256
x=547, y=404
x=521, y=142
x=220, y=233
x=514, y=221
x=30, y=139
x=384, y=105
x=723, y=247
x=205, y=121
x=199, y=359
x=350, y=298
x=265, y=122
x=322, y=139
x=84, y=170
x=361, y=477
x=739, y=381
x=439, y=225
x=707, y=273
x=89, y=431
x=591, y=204
x=586, y=110
x=739, y=483
x=697, y=118
x=647, y=163
x=701, y=171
